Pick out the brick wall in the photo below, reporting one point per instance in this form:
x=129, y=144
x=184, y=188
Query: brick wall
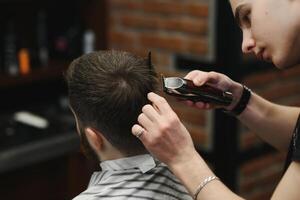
x=259, y=177
x=278, y=86
x=170, y=27
x=166, y=28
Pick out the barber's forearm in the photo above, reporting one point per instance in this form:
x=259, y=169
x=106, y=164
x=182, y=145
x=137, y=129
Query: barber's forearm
x=272, y=122
x=193, y=172
x=288, y=188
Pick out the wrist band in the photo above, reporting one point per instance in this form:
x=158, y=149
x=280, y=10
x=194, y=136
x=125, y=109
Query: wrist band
x=203, y=184
x=242, y=104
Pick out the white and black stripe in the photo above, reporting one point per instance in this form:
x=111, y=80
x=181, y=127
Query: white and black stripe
x=133, y=178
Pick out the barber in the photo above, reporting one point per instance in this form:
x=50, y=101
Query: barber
x=271, y=30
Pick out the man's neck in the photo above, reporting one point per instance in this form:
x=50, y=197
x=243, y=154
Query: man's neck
x=113, y=154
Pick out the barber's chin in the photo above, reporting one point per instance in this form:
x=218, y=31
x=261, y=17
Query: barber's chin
x=286, y=60
x=278, y=65
x=284, y=63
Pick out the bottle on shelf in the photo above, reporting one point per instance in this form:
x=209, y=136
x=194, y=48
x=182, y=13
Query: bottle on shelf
x=10, y=51
x=24, y=61
x=88, y=41
x=42, y=41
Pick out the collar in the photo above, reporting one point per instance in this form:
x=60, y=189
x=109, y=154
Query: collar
x=143, y=162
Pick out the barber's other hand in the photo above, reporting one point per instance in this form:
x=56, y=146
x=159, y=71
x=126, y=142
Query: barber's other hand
x=163, y=133
x=216, y=80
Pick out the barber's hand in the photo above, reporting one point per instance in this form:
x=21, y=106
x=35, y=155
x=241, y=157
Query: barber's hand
x=216, y=80
x=162, y=133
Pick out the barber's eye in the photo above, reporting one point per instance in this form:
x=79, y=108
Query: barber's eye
x=246, y=19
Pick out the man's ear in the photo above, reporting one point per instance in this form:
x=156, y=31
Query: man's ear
x=95, y=139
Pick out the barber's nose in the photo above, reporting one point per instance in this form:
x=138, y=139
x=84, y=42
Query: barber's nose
x=248, y=44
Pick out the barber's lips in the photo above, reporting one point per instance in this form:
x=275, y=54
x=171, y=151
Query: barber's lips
x=263, y=56
x=259, y=56
x=266, y=57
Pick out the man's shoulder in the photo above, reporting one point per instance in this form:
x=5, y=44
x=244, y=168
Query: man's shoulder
x=158, y=183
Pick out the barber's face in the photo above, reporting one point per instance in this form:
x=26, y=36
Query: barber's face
x=271, y=29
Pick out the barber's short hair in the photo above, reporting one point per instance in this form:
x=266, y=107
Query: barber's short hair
x=107, y=90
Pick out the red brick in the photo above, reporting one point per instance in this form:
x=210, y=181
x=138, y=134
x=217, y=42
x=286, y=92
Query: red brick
x=197, y=46
x=163, y=7
x=113, y=20
x=170, y=23
x=171, y=7
x=173, y=43
x=195, y=26
x=199, y=136
x=265, y=179
x=269, y=76
x=124, y=4
x=163, y=60
x=292, y=72
x=281, y=91
x=198, y=9
x=138, y=51
x=175, y=73
x=139, y=21
x=295, y=101
x=257, y=164
x=121, y=37
x=249, y=140
x=259, y=79
x=262, y=175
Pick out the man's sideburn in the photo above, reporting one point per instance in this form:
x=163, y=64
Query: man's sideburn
x=86, y=148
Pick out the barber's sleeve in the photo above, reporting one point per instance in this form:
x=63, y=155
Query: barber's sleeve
x=296, y=142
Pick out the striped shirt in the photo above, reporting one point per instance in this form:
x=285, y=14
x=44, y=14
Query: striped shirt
x=137, y=177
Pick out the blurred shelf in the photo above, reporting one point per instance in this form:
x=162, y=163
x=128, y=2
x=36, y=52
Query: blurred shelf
x=53, y=70
x=16, y=1
x=38, y=151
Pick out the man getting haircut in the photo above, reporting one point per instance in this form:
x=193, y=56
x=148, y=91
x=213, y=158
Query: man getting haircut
x=107, y=91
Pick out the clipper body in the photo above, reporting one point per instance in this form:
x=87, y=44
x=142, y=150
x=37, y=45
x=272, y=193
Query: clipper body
x=186, y=90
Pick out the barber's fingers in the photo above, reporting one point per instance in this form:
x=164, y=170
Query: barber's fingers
x=214, y=77
x=138, y=131
x=192, y=74
x=199, y=77
x=151, y=112
x=144, y=121
x=159, y=103
x=142, y=133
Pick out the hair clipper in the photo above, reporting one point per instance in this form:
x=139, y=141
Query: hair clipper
x=186, y=90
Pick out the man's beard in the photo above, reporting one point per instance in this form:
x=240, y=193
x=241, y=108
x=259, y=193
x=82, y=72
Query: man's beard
x=86, y=148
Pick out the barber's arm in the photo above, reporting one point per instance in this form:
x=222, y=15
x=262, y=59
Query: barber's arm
x=167, y=138
x=271, y=122
x=288, y=188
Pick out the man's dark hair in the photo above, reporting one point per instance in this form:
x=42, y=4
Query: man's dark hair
x=107, y=90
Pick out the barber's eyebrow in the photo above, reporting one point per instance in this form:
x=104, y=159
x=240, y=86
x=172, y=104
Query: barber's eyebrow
x=238, y=12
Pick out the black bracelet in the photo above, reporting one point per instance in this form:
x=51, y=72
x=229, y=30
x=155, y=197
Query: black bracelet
x=242, y=104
